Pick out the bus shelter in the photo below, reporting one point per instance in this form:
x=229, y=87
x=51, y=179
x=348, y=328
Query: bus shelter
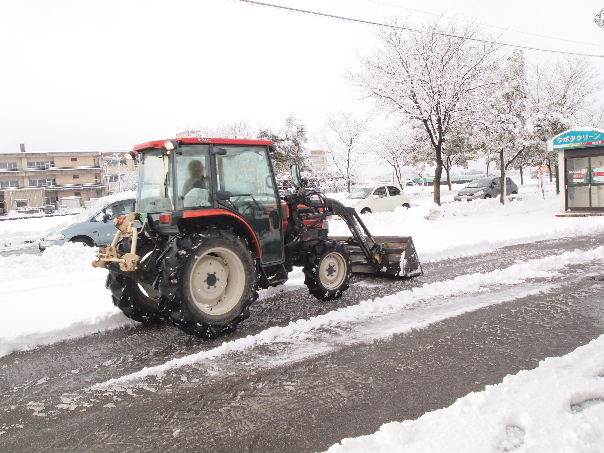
x=581, y=163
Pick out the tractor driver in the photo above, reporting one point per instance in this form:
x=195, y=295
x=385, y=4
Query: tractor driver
x=197, y=177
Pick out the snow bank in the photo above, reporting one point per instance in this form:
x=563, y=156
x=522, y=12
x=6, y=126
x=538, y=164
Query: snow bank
x=469, y=228
x=557, y=407
x=383, y=306
x=21, y=233
x=53, y=296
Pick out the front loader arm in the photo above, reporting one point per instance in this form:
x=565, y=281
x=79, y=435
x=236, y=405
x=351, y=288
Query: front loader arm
x=393, y=255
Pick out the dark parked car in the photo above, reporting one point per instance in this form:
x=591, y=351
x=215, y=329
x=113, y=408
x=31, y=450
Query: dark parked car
x=485, y=188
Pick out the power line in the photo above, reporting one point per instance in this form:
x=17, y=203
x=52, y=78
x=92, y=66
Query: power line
x=481, y=24
x=410, y=29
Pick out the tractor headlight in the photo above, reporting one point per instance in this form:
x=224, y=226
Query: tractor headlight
x=55, y=237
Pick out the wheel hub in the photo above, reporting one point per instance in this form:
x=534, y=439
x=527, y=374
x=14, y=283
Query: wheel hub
x=332, y=270
x=217, y=281
x=211, y=280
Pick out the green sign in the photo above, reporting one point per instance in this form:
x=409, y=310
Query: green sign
x=578, y=138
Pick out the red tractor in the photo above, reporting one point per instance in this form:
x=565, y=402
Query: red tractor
x=211, y=229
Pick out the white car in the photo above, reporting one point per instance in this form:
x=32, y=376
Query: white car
x=376, y=199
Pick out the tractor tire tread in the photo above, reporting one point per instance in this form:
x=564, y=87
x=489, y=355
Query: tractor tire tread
x=311, y=271
x=171, y=284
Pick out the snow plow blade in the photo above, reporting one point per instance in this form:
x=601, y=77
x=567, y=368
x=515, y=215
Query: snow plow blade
x=380, y=255
x=398, y=256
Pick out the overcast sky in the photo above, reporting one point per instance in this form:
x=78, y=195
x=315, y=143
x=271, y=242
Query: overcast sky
x=107, y=74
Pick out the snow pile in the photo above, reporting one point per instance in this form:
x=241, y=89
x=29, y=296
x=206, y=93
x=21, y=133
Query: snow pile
x=469, y=228
x=381, y=307
x=53, y=296
x=21, y=233
x=557, y=407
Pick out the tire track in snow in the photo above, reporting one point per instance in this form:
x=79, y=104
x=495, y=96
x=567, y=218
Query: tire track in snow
x=367, y=310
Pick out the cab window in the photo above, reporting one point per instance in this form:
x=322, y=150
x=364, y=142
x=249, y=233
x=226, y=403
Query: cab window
x=193, y=177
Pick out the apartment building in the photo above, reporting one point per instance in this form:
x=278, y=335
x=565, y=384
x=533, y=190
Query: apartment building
x=32, y=179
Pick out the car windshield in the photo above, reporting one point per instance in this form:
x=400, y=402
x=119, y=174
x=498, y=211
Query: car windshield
x=360, y=193
x=482, y=182
x=154, y=186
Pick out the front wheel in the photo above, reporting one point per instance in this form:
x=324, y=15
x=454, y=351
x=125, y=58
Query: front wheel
x=406, y=205
x=365, y=211
x=328, y=270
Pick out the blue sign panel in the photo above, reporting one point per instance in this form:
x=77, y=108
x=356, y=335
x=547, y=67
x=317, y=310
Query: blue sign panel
x=579, y=139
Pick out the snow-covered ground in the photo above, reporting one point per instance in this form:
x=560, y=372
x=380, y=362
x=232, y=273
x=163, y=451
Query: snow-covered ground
x=379, y=318
x=22, y=233
x=53, y=296
x=58, y=294
x=557, y=407
x=459, y=229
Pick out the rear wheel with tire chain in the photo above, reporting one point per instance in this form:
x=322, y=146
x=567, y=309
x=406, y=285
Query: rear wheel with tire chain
x=135, y=296
x=208, y=282
x=328, y=270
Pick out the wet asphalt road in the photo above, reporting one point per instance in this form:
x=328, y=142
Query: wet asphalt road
x=303, y=405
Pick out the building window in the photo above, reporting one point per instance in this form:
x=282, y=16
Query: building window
x=40, y=165
x=76, y=176
x=44, y=182
x=21, y=203
x=77, y=194
x=8, y=165
x=112, y=178
x=11, y=183
x=74, y=159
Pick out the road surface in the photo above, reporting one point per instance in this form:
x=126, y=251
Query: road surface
x=305, y=392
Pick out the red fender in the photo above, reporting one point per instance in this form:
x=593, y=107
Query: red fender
x=225, y=212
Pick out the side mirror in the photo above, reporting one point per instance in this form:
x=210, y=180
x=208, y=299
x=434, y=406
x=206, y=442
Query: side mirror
x=296, y=176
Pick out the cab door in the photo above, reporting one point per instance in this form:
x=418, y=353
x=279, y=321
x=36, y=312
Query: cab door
x=246, y=173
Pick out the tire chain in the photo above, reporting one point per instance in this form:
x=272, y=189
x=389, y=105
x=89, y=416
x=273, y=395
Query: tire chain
x=170, y=283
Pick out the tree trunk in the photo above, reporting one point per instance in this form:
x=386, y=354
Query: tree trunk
x=437, y=177
x=549, y=169
x=488, y=163
x=557, y=170
x=521, y=177
x=448, y=172
x=399, y=176
x=501, y=178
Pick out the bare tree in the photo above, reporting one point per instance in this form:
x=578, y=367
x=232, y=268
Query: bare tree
x=343, y=138
x=395, y=147
x=289, y=144
x=458, y=149
x=430, y=78
x=505, y=114
x=236, y=129
x=561, y=95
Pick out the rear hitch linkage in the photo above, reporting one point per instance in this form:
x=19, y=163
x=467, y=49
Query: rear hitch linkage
x=109, y=254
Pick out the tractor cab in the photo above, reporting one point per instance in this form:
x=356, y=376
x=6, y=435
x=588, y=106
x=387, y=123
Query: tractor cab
x=197, y=178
